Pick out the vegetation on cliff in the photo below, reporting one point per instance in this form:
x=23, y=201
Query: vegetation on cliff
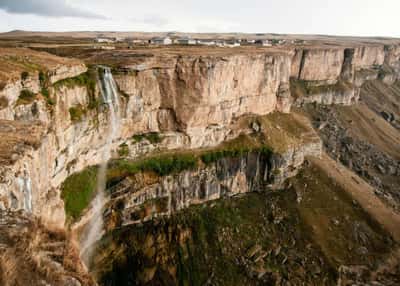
x=76, y=113
x=25, y=97
x=83, y=79
x=24, y=75
x=78, y=190
x=88, y=80
x=83, y=183
x=152, y=137
x=161, y=165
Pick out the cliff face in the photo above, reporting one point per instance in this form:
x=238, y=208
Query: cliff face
x=140, y=199
x=195, y=95
x=335, y=75
x=319, y=65
x=192, y=100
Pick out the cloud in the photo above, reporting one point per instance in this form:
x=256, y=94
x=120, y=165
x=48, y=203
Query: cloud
x=151, y=20
x=51, y=8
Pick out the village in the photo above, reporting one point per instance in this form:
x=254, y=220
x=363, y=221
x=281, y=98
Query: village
x=167, y=40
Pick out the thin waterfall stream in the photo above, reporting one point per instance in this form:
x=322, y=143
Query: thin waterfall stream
x=94, y=228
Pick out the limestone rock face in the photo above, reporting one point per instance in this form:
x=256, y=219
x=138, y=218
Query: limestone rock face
x=321, y=65
x=199, y=92
x=369, y=56
x=226, y=177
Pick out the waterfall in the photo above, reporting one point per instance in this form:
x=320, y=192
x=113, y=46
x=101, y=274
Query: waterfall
x=94, y=228
x=25, y=187
x=28, y=195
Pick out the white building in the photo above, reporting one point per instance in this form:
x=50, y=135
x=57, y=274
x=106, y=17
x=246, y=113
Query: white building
x=105, y=40
x=161, y=41
x=206, y=42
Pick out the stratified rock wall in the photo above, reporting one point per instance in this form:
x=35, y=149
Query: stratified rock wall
x=227, y=177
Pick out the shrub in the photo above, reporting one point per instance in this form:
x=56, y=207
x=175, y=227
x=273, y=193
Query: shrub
x=24, y=75
x=123, y=150
x=78, y=190
x=25, y=97
x=152, y=137
x=76, y=113
x=45, y=92
x=44, y=79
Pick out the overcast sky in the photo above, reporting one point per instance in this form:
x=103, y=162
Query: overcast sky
x=340, y=17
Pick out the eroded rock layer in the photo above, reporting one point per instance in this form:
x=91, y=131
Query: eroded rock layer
x=141, y=198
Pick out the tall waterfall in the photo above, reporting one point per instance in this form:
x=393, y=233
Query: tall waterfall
x=94, y=229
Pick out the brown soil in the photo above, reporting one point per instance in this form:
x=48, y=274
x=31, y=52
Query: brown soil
x=17, y=137
x=14, y=61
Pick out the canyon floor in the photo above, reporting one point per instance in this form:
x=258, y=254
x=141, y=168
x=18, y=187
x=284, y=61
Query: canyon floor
x=205, y=186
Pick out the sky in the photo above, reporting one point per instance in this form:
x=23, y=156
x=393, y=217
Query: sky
x=333, y=17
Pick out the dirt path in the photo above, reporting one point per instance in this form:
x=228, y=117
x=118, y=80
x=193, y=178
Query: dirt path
x=362, y=192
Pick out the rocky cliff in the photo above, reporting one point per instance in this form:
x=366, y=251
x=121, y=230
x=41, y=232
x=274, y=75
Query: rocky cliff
x=193, y=99
x=138, y=199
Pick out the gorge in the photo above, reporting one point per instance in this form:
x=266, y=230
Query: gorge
x=153, y=166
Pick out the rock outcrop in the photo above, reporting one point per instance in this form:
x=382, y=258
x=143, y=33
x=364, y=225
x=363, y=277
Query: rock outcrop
x=137, y=201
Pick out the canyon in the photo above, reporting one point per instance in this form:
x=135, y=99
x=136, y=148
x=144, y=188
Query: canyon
x=201, y=128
